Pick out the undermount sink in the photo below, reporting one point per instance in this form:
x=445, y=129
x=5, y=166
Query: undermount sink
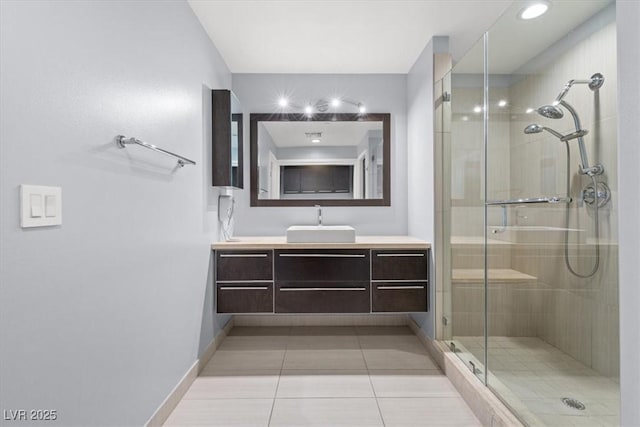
x=321, y=234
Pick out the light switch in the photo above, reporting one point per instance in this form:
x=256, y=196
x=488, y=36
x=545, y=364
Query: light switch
x=40, y=206
x=35, y=200
x=50, y=209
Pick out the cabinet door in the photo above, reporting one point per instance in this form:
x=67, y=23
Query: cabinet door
x=399, y=296
x=291, y=180
x=241, y=297
x=342, y=176
x=243, y=265
x=322, y=297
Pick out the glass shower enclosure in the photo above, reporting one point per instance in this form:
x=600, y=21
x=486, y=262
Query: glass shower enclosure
x=530, y=297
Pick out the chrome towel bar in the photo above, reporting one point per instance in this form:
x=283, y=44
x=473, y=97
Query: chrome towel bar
x=554, y=199
x=123, y=141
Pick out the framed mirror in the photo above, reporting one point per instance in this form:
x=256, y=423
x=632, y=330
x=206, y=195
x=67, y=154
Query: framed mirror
x=325, y=159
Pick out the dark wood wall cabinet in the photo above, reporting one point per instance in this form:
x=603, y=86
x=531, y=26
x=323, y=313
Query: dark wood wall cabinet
x=226, y=139
x=322, y=281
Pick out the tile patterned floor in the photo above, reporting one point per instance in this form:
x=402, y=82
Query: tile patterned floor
x=322, y=376
x=533, y=376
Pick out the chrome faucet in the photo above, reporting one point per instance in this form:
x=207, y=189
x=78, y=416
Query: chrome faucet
x=319, y=214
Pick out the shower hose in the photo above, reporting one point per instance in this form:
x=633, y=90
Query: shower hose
x=567, y=261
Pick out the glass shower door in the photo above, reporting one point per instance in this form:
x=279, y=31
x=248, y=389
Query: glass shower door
x=463, y=211
x=551, y=248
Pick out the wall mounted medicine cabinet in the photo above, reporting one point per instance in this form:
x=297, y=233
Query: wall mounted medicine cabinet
x=226, y=139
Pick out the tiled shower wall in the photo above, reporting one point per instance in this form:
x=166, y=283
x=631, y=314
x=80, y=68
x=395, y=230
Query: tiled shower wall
x=578, y=316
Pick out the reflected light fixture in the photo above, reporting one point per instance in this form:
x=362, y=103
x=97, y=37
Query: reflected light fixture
x=283, y=102
x=308, y=109
x=529, y=110
x=335, y=102
x=465, y=118
x=533, y=10
x=315, y=141
x=477, y=109
x=362, y=109
x=502, y=103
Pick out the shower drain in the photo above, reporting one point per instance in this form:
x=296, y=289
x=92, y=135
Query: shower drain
x=573, y=403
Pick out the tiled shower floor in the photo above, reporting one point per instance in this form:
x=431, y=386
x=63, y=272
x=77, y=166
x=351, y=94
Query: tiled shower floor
x=533, y=376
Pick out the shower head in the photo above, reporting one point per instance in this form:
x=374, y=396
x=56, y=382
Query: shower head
x=595, y=83
x=550, y=112
x=536, y=128
x=533, y=128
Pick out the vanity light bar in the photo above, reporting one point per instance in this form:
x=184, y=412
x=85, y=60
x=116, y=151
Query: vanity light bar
x=321, y=105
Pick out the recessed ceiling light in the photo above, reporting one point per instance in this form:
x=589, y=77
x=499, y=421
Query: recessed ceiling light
x=533, y=10
x=502, y=103
x=308, y=109
x=362, y=109
x=315, y=141
x=477, y=109
x=283, y=102
x=335, y=102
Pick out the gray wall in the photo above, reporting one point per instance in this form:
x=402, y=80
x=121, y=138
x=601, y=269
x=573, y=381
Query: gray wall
x=381, y=93
x=421, y=207
x=103, y=315
x=628, y=17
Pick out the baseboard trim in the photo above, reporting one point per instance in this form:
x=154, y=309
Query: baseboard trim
x=486, y=406
x=161, y=414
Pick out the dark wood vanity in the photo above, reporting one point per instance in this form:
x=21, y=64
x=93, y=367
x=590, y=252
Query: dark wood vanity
x=391, y=276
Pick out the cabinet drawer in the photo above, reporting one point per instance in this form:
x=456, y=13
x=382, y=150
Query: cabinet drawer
x=322, y=265
x=241, y=297
x=244, y=265
x=322, y=297
x=399, y=265
x=399, y=297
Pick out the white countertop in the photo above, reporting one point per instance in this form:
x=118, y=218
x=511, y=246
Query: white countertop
x=362, y=242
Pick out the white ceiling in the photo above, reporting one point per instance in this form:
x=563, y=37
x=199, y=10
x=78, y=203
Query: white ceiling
x=339, y=36
x=334, y=134
x=514, y=42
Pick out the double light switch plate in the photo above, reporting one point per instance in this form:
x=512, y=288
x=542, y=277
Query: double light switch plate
x=40, y=206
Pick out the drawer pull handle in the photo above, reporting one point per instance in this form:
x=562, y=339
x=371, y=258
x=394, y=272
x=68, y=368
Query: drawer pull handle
x=220, y=282
x=399, y=255
x=243, y=288
x=388, y=288
x=401, y=281
x=323, y=255
x=321, y=289
x=243, y=255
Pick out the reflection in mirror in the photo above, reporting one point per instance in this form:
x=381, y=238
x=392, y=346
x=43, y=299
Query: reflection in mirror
x=236, y=141
x=330, y=159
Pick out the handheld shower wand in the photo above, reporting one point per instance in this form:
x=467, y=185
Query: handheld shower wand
x=536, y=128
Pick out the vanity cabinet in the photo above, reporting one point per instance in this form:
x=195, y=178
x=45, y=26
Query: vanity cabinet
x=345, y=279
x=322, y=281
x=244, y=281
x=399, y=280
